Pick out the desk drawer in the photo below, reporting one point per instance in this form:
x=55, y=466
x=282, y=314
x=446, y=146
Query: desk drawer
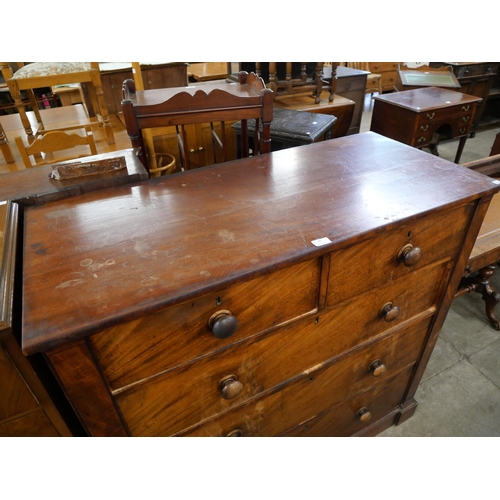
x=188, y=395
x=438, y=237
x=148, y=346
x=477, y=70
x=323, y=388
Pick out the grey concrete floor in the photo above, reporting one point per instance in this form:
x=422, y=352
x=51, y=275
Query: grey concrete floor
x=459, y=395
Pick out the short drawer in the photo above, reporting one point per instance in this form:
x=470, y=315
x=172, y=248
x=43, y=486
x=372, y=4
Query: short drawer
x=477, y=70
x=378, y=67
x=438, y=238
x=162, y=341
x=352, y=416
x=304, y=400
x=188, y=395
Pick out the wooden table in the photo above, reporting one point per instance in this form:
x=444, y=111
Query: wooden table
x=295, y=293
x=418, y=117
x=33, y=186
x=202, y=72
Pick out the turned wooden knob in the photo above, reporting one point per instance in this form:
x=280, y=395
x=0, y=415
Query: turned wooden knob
x=409, y=255
x=235, y=433
x=230, y=387
x=223, y=324
x=377, y=368
x=389, y=312
x=363, y=415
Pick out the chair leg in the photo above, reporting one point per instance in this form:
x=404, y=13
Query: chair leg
x=16, y=95
x=103, y=109
x=4, y=147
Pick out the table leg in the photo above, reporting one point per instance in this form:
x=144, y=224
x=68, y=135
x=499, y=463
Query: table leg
x=461, y=145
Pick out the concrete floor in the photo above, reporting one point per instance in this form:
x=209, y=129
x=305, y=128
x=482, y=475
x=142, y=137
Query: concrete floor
x=459, y=394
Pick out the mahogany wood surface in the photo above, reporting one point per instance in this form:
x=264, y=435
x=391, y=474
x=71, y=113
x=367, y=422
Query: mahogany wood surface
x=120, y=287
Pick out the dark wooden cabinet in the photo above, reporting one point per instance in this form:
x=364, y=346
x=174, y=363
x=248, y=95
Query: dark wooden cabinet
x=299, y=292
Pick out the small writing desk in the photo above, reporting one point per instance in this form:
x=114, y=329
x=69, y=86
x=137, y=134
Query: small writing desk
x=417, y=117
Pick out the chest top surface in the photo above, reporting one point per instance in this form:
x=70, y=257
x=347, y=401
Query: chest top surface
x=425, y=99
x=105, y=257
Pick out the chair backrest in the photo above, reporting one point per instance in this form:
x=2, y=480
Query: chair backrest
x=206, y=103
x=364, y=66
x=53, y=142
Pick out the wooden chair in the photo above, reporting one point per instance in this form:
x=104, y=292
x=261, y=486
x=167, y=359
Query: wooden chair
x=48, y=74
x=207, y=103
x=373, y=80
x=54, y=141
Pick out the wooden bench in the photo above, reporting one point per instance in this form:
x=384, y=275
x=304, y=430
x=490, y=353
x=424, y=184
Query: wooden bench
x=485, y=255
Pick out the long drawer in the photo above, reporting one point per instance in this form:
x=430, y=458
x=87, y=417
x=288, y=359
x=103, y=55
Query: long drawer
x=349, y=379
x=438, y=238
x=186, y=398
x=170, y=338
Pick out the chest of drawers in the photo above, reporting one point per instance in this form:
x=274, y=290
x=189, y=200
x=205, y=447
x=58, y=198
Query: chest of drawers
x=295, y=293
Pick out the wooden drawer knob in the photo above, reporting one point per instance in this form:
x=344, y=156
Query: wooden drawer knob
x=409, y=255
x=223, y=324
x=235, y=433
x=230, y=387
x=377, y=368
x=389, y=312
x=363, y=415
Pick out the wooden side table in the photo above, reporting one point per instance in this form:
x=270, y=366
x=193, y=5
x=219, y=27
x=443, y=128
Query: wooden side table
x=417, y=117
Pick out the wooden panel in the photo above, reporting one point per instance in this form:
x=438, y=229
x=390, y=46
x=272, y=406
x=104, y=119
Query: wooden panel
x=184, y=397
x=35, y=424
x=87, y=391
x=15, y=398
x=179, y=334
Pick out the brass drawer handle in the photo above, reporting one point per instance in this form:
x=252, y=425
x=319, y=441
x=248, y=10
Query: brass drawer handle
x=363, y=414
x=466, y=108
x=430, y=116
x=389, y=312
x=423, y=128
x=409, y=255
x=462, y=130
x=223, y=324
x=377, y=368
x=230, y=387
x=235, y=433
x=465, y=119
x=421, y=139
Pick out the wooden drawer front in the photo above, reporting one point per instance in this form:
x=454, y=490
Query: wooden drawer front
x=381, y=67
x=188, y=395
x=321, y=388
x=438, y=237
x=15, y=397
x=345, y=418
x=477, y=70
x=445, y=115
x=172, y=337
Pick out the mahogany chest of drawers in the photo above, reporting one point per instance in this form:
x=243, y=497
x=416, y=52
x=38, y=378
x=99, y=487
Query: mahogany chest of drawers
x=298, y=293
